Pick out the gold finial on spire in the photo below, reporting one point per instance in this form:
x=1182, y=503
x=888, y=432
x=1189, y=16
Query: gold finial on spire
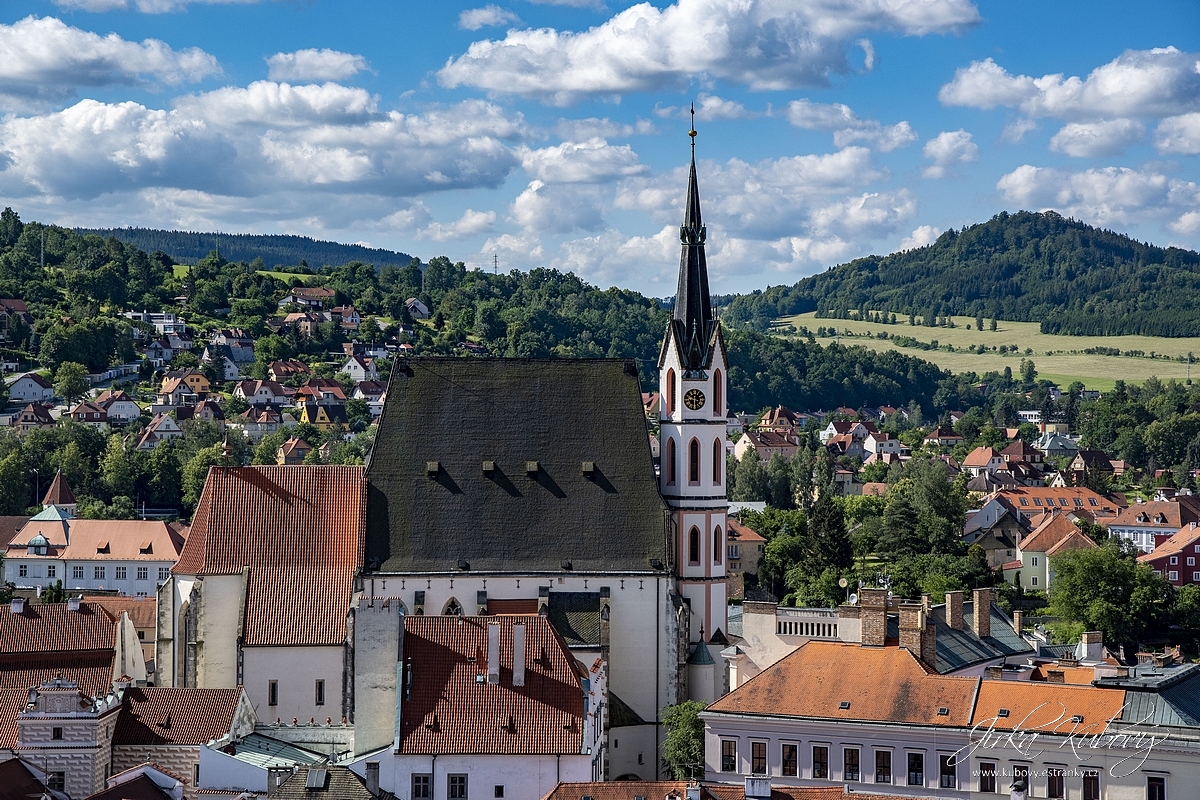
x=692, y=132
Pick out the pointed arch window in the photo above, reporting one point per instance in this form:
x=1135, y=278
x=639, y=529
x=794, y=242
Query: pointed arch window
x=718, y=544
x=669, y=392
x=671, y=460
x=452, y=608
x=718, y=466
x=694, y=462
x=717, y=392
x=694, y=545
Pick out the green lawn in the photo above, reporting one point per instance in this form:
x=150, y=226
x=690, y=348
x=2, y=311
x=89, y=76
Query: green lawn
x=1058, y=358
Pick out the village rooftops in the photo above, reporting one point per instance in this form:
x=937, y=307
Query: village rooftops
x=157, y=715
x=1169, y=514
x=1053, y=534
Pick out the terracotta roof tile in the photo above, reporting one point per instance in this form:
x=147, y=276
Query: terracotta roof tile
x=878, y=683
x=1052, y=531
x=11, y=703
x=296, y=526
x=126, y=540
x=1179, y=541
x=92, y=671
x=143, y=611
x=519, y=606
x=980, y=457
x=738, y=531
x=41, y=628
x=1175, y=514
x=1046, y=706
x=450, y=712
x=184, y=716
x=9, y=527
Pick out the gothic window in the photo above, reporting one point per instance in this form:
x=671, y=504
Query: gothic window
x=718, y=540
x=668, y=392
x=452, y=609
x=717, y=391
x=717, y=466
x=693, y=461
x=694, y=546
x=670, y=462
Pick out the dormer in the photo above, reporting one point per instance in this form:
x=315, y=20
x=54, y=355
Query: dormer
x=38, y=545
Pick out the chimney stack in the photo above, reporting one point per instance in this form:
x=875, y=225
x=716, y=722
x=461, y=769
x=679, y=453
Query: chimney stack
x=73, y=603
x=995, y=673
x=917, y=633
x=493, y=652
x=873, y=616
x=981, y=613
x=18, y=605
x=954, y=610
x=373, y=778
x=519, y=654
x=1018, y=621
x=1056, y=676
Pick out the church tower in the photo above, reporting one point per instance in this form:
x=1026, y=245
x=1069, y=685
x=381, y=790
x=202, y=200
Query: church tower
x=692, y=369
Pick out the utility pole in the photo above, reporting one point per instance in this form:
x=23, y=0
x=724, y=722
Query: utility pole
x=495, y=264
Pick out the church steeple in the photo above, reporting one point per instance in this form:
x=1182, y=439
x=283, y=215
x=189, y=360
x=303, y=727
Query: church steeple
x=694, y=320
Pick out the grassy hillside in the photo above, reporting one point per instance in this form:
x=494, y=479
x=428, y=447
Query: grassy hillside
x=1066, y=276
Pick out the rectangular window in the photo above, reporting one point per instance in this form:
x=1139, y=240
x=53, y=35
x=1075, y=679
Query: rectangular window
x=850, y=764
x=1091, y=786
x=728, y=755
x=1092, y=501
x=820, y=762
x=1035, y=560
x=758, y=758
x=1156, y=788
x=23, y=571
x=456, y=787
x=421, y=789
x=947, y=775
x=56, y=781
x=498, y=790
x=1174, y=560
x=1173, y=575
x=56, y=734
x=98, y=573
x=272, y=693
x=1037, y=501
x=320, y=692
x=1195, y=576
x=1020, y=772
x=987, y=777
x=1055, y=785
x=143, y=573
x=164, y=573
x=77, y=573
x=790, y=760
x=916, y=769
x=1033, y=581
x=121, y=573
x=883, y=766
x=1191, y=562
x=51, y=571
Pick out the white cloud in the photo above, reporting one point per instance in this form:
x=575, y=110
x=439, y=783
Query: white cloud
x=947, y=149
x=1015, y=131
x=489, y=16
x=549, y=208
x=711, y=108
x=921, y=236
x=1106, y=196
x=1179, y=135
x=523, y=249
x=315, y=65
x=1138, y=83
x=279, y=105
x=1091, y=139
x=570, y=3
x=580, y=129
x=471, y=223
x=612, y=258
x=44, y=60
x=847, y=126
x=145, y=6
x=759, y=43
x=581, y=162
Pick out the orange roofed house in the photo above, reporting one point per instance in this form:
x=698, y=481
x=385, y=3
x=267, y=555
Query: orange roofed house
x=260, y=595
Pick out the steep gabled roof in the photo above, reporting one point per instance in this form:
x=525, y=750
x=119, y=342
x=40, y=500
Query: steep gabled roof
x=507, y=462
x=55, y=628
x=157, y=715
x=1050, y=533
x=980, y=457
x=59, y=493
x=298, y=526
x=1179, y=541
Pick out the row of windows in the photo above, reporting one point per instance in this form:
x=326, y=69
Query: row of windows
x=456, y=787
x=1191, y=561
x=1062, y=501
x=99, y=573
x=669, y=392
x=1173, y=575
x=718, y=462
x=273, y=693
x=694, y=545
x=789, y=760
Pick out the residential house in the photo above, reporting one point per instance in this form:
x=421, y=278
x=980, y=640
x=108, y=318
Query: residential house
x=194, y=379
x=261, y=592
x=1023, y=473
x=467, y=677
x=223, y=355
x=1147, y=525
x=360, y=369
x=324, y=391
x=119, y=406
x=1056, y=445
x=90, y=414
x=13, y=312
x=159, y=352
x=997, y=527
x=986, y=483
x=847, y=482
x=744, y=548
x=305, y=322
x=1085, y=461
x=30, y=388
x=205, y=411
x=883, y=443
x=163, y=323
x=765, y=444
x=181, y=341
x=856, y=430
x=293, y=451
x=346, y=315
x=416, y=309
x=261, y=393
x=1020, y=451
x=323, y=416
x=1033, y=501
x=173, y=393
x=781, y=419
x=981, y=460
x=1053, y=533
x=314, y=297
x=160, y=429
x=942, y=437
x=375, y=393
x=257, y=422
x=281, y=371
x=332, y=782
x=239, y=342
x=33, y=416
x=843, y=444
x=1175, y=558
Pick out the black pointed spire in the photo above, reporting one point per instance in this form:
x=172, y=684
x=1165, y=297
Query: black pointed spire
x=693, y=318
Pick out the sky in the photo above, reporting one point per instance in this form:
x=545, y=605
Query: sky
x=554, y=132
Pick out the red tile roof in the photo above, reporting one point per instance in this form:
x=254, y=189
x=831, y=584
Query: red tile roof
x=41, y=628
x=980, y=457
x=1170, y=514
x=518, y=606
x=450, y=712
x=1179, y=541
x=12, y=701
x=1048, y=707
x=1053, y=531
x=737, y=531
x=9, y=527
x=122, y=540
x=184, y=716
x=59, y=493
x=91, y=671
x=299, y=527
x=143, y=611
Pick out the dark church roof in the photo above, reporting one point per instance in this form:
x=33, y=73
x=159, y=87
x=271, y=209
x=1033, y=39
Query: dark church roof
x=485, y=461
x=693, y=321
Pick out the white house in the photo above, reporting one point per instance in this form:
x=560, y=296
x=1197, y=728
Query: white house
x=983, y=460
x=258, y=393
x=120, y=407
x=416, y=308
x=360, y=369
x=30, y=388
x=1055, y=533
x=160, y=429
x=883, y=444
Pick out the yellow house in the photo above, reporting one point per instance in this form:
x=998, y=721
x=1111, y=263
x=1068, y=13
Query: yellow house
x=322, y=416
x=193, y=378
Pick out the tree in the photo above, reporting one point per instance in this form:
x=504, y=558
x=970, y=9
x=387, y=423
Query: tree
x=54, y=593
x=14, y=484
x=117, y=469
x=750, y=479
x=683, y=748
x=195, y=473
x=71, y=381
x=828, y=531
x=779, y=482
x=1107, y=590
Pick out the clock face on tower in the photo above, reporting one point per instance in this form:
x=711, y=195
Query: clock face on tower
x=694, y=399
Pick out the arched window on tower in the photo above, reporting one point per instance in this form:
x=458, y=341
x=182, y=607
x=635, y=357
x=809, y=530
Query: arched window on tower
x=671, y=460
x=718, y=467
x=717, y=392
x=694, y=462
x=694, y=546
x=668, y=392
x=718, y=544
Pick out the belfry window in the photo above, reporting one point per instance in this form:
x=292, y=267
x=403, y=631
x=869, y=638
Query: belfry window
x=718, y=467
x=694, y=546
x=718, y=541
x=717, y=391
x=671, y=462
x=693, y=461
x=669, y=392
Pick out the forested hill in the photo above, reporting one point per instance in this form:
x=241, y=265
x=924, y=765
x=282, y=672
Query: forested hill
x=274, y=250
x=1025, y=267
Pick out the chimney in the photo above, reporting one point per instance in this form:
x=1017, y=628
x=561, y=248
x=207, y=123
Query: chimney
x=758, y=788
x=1018, y=621
x=995, y=673
x=954, y=610
x=873, y=616
x=982, y=613
x=519, y=654
x=1091, y=645
x=1055, y=676
x=493, y=652
x=373, y=778
x=73, y=603
x=18, y=605
x=925, y=604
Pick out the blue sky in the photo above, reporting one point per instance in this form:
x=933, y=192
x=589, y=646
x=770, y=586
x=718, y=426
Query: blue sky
x=554, y=133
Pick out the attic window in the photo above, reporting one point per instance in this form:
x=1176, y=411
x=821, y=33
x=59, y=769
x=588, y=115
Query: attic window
x=316, y=779
x=432, y=468
x=1002, y=713
x=489, y=466
x=1078, y=718
x=1024, y=502
x=146, y=548
x=532, y=467
x=844, y=705
x=587, y=467
x=943, y=712
x=102, y=547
